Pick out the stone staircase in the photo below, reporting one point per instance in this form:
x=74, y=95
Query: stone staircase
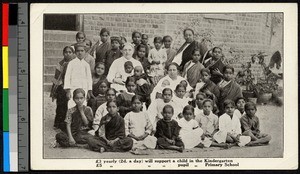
x=54, y=42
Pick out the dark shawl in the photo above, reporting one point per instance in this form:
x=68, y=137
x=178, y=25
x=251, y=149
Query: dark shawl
x=193, y=73
x=115, y=128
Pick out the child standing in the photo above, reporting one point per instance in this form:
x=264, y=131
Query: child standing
x=113, y=137
x=167, y=131
x=251, y=127
x=77, y=117
x=138, y=126
x=57, y=90
x=136, y=41
x=112, y=54
x=229, y=89
x=142, y=56
x=229, y=125
x=80, y=38
x=157, y=57
x=190, y=132
x=240, y=107
x=104, y=46
x=192, y=69
x=171, y=53
x=156, y=107
x=78, y=75
x=87, y=57
x=125, y=97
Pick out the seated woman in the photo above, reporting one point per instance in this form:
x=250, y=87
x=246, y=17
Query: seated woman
x=173, y=78
x=117, y=67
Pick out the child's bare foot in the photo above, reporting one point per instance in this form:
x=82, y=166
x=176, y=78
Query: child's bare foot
x=102, y=150
x=181, y=148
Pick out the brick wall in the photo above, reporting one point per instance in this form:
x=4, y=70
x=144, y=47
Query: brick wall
x=240, y=35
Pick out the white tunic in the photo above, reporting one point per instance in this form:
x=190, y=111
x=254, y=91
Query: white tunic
x=190, y=133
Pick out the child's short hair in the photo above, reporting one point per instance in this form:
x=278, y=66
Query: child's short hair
x=249, y=104
x=78, y=45
x=216, y=48
x=123, y=38
x=68, y=47
x=201, y=93
x=137, y=97
x=165, y=37
x=184, y=83
x=174, y=64
x=168, y=106
x=228, y=67
x=209, y=101
x=188, y=29
x=104, y=30
x=109, y=102
x=144, y=35
x=238, y=99
x=79, y=33
x=229, y=102
x=136, y=32
x=129, y=79
x=115, y=38
x=111, y=89
x=167, y=89
x=78, y=91
x=180, y=86
x=158, y=39
x=188, y=107
x=128, y=63
x=141, y=46
x=205, y=70
x=195, y=51
x=88, y=41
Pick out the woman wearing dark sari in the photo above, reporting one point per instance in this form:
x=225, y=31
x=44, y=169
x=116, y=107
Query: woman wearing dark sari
x=215, y=65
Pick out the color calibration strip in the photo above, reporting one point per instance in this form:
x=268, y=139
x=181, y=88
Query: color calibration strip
x=5, y=19
x=10, y=90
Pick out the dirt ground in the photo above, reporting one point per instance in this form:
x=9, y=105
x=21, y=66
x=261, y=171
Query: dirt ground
x=271, y=119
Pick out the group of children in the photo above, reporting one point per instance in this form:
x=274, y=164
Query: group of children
x=108, y=96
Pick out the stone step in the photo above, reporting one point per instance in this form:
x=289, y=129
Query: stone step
x=58, y=45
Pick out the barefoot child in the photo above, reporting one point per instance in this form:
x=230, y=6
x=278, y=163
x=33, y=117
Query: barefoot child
x=138, y=126
x=78, y=119
x=209, y=123
x=229, y=125
x=57, y=90
x=190, y=132
x=167, y=131
x=125, y=97
x=251, y=127
x=112, y=138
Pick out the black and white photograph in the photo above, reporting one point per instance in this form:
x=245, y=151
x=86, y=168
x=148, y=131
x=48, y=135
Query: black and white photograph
x=163, y=85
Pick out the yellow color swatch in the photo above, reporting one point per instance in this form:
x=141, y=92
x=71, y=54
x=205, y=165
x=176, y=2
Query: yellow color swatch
x=5, y=66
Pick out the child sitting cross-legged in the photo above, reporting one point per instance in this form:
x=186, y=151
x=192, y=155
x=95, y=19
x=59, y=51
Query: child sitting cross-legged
x=138, y=127
x=167, y=131
x=251, y=127
x=78, y=121
x=209, y=123
x=230, y=127
x=190, y=132
x=112, y=138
